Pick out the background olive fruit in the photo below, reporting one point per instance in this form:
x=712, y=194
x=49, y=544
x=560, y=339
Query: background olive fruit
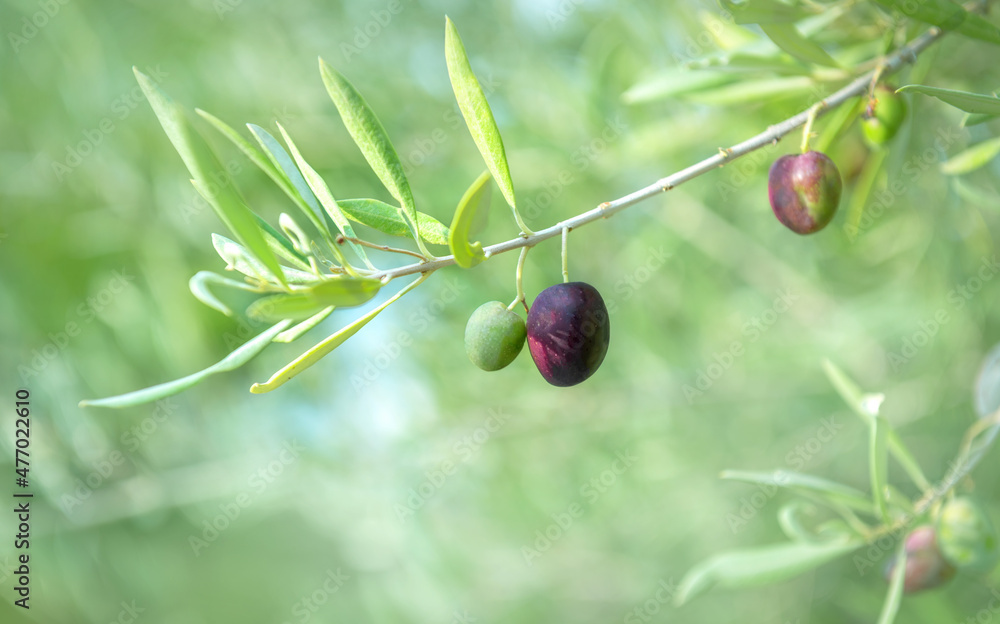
x=568, y=332
x=804, y=190
x=883, y=116
x=966, y=536
x=494, y=336
x=926, y=567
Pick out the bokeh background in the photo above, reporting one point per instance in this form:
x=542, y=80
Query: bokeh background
x=398, y=483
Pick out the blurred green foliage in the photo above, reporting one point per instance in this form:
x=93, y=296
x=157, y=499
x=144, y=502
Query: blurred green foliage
x=395, y=481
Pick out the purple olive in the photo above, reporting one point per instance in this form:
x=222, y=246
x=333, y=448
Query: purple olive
x=926, y=567
x=804, y=190
x=568, y=332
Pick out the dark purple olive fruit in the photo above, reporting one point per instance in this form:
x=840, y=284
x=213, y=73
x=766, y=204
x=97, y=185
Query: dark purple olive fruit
x=804, y=190
x=568, y=332
x=926, y=567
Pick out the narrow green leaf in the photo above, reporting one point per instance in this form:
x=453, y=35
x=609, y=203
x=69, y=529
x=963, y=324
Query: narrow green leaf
x=837, y=121
x=315, y=354
x=893, y=599
x=285, y=166
x=674, y=82
x=804, y=483
x=251, y=152
x=867, y=406
x=786, y=37
x=340, y=291
x=764, y=11
x=278, y=166
x=478, y=116
x=906, y=460
x=206, y=172
x=199, y=285
x=322, y=192
x=948, y=15
x=466, y=255
x=972, y=158
x=237, y=258
x=848, y=390
x=790, y=520
x=969, y=102
x=985, y=198
x=294, y=333
x=760, y=566
x=386, y=219
x=234, y=360
x=373, y=141
x=283, y=247
x=748, y=91
x=975, y=120
x=751, y=63
x=862, y=191
x=878, y=464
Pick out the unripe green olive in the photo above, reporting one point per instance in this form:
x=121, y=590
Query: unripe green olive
x=494, y=336
x=967, y=537
x=883, y=116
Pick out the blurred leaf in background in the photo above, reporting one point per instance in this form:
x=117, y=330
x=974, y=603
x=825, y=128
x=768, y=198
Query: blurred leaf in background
x=394, y=481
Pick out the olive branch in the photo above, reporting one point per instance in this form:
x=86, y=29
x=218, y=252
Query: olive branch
x=308, y=267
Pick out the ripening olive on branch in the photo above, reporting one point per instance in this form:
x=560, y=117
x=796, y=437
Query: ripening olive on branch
x=804, y=190
x=926, y=567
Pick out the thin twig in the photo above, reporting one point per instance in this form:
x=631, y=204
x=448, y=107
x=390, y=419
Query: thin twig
x=341, y=239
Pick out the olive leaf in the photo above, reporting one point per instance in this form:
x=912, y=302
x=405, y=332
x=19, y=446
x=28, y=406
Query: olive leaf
x=322, y=192
x=373, y=141
x=746, y=91
x=478, y=116
x=893, y=599
x=674, y=82
x=475, y=199
x=976, y=119
x=234, y=360
x=274, y=162
x=328, y=344
x=867, y=407
x=969, y=102
x=386, y=219
x=339, y=291
x=760, y=566
x=831, y=491
x=878, y=464
x=948, y=15
x=201, y=281
x=972, y=158
x=786, y=37
x=294, y=333
x=206, y=171
x=763, y=11
x=237, y=258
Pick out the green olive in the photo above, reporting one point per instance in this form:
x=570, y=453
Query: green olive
x=494, y=336
x=883, y=116
x=967, y=537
